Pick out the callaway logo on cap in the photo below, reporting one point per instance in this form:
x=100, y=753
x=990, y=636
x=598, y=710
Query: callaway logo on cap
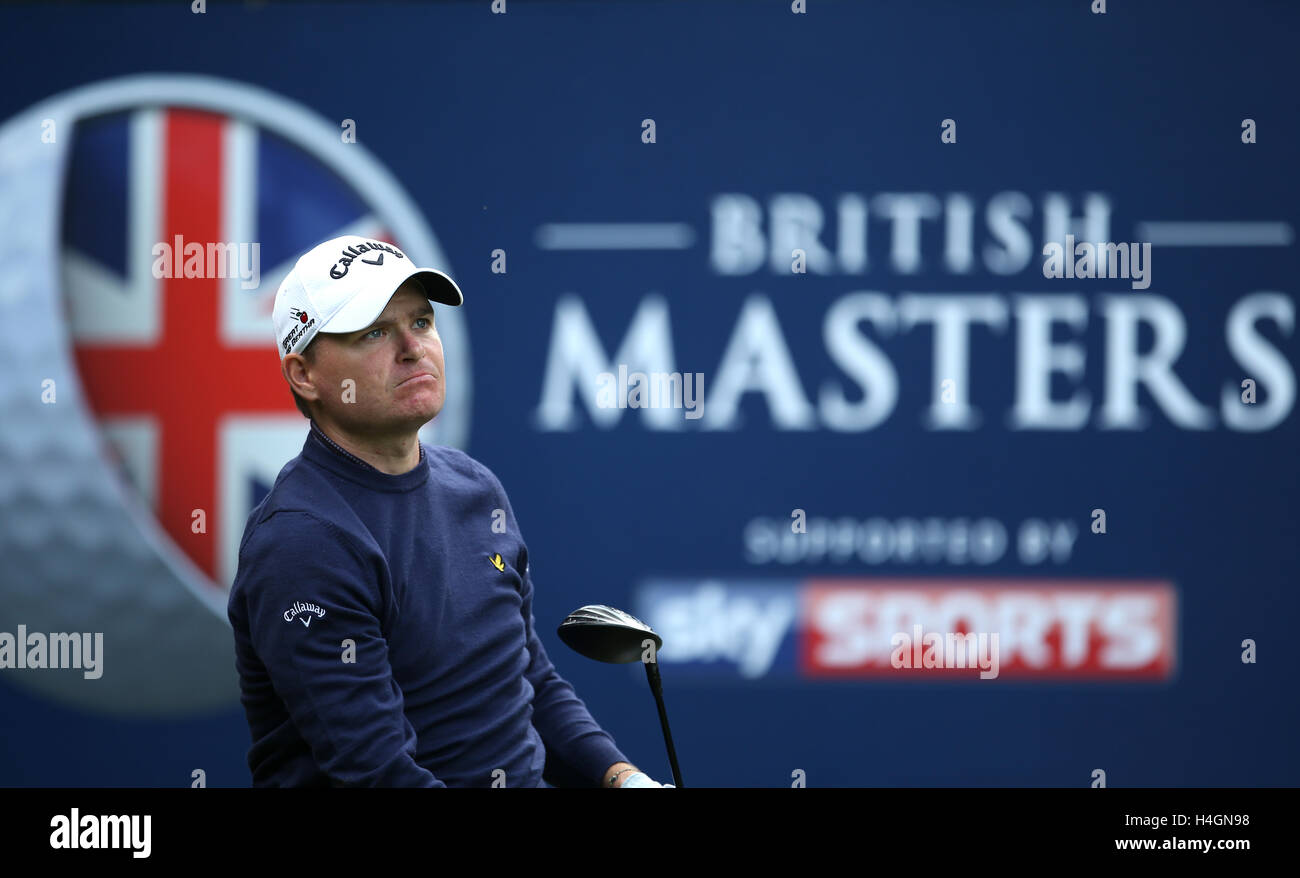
x=343, y=285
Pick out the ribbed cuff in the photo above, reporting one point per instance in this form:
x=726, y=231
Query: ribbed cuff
x=593, y=754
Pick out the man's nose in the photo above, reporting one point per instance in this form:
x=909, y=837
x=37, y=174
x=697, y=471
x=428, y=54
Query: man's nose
x=411, y=343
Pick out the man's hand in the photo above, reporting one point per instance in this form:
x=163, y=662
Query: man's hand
x=622, y=772
x=618, y=772
x=639, y=780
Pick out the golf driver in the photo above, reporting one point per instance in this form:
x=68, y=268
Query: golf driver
x=609, y=635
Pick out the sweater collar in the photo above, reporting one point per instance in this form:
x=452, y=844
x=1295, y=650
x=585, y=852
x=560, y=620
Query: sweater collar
x=321, y=449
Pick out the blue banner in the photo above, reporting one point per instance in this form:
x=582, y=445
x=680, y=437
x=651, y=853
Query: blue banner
x=924, y=374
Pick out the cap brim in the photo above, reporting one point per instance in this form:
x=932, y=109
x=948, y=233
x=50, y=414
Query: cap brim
x=365, y=309
x=438, y=287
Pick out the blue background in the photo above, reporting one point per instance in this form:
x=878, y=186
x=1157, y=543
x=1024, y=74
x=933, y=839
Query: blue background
x=498, y=124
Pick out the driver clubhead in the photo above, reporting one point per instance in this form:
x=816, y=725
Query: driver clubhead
x=607, y=634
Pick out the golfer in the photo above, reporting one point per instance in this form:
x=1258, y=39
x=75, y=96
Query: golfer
x=382, y=608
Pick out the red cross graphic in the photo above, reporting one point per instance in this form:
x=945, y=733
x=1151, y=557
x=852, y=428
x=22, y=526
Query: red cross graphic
x=190, y=379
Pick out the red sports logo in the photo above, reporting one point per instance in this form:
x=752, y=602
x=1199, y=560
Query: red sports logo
x=1089, y=629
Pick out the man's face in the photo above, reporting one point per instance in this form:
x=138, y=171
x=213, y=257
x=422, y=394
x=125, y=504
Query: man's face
x=396, y=364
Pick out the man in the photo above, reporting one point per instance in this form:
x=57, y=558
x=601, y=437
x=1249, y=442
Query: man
x=384, y=633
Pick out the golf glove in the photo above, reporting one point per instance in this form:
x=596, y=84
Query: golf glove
x=641, y=781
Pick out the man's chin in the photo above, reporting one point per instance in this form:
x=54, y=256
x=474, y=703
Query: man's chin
x=406, y=418
x=436, y=398
x=423, y=413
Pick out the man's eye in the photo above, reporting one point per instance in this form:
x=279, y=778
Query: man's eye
x=427, y=321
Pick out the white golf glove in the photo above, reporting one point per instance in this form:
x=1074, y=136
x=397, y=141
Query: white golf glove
x=639, y=780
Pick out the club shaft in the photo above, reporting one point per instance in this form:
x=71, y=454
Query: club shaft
x=656, y=687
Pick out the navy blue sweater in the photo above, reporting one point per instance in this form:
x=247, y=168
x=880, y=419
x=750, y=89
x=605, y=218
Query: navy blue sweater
x=384, y=632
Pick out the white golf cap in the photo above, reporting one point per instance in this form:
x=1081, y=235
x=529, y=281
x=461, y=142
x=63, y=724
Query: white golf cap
x=343, y=285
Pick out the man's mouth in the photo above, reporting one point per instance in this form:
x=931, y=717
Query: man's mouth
x=423, y=376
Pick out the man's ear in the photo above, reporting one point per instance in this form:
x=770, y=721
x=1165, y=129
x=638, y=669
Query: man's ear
x=295, y=368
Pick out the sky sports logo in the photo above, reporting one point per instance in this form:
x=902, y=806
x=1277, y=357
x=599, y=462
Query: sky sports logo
x=840, y=628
